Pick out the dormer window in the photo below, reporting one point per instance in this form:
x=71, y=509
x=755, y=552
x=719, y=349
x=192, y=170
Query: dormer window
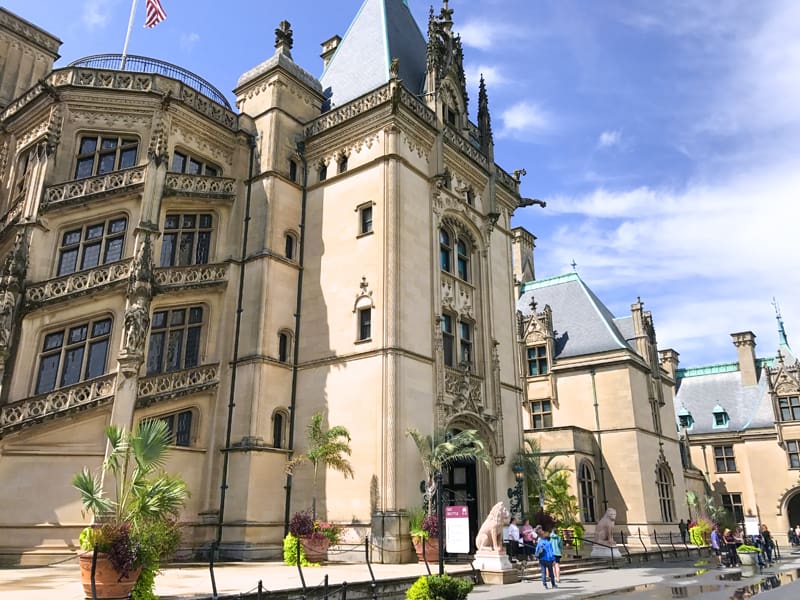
x=721, y=418
x=450, y=115
x=685, y=418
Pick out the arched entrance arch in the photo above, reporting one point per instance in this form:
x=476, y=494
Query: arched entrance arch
x=793, y=508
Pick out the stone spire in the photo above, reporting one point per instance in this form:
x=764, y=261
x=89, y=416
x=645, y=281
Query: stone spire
x=284, y=38
x=782, y=339
x=484, y=120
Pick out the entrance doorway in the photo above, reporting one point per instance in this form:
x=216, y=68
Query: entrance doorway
x=793, y=510
x=460, y=483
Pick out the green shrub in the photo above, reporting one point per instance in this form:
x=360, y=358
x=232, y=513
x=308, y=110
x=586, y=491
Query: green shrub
x=439, y=587
x=290, y=547
x=746, y=548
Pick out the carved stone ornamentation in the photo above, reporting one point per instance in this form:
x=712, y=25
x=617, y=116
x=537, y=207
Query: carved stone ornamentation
x=91, y=186
x=200, y=185
x=78, y=283
x=177, y=383
x=190, y=276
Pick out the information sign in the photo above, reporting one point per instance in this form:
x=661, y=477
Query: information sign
x=456, y=529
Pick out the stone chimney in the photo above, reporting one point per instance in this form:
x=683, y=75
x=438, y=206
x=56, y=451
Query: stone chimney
x=745, y=342
x=522, y=254
x=328, y=49
x=669, y=361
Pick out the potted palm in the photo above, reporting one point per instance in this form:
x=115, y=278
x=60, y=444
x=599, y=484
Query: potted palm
x=134, y=527
x=438, y=453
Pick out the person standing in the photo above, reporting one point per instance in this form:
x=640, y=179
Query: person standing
x=544, y=552
x=513, y=539
x=683, y=529
x=716, y=545
x=556, y=543
x=730, y=546
x=528, y=536
x=767, y=543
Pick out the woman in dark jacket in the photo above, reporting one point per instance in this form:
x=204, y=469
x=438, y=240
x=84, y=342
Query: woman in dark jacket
x=767, y=544
x=730, y=545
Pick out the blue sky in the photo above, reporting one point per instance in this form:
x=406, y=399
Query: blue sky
x=664, y=136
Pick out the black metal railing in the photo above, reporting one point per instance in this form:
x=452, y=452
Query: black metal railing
x=143, y=64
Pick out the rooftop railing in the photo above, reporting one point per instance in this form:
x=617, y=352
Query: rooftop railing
x=143, y=64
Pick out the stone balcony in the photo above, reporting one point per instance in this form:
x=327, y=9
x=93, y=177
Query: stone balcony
x=80, y=190
x=164, y=386
x=60, y=402
x=178, y=278
x=179, y=184
x=76, y=284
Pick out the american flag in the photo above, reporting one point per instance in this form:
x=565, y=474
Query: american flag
x=155, y=13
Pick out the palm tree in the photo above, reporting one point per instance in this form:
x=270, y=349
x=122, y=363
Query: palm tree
x=436, y=455
x=540, y=472
x=327, y=449
x=135, y=462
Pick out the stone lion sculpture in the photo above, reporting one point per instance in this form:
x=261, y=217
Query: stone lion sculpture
x=604, y=532
x=490, y=535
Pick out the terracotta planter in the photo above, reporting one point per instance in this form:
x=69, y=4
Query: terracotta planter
x=431, y=548
x=316, y=550
x=106, y=578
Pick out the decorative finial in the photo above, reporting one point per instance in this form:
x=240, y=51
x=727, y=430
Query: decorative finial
x=484, y=118
x=284, y=39
x=533, y=304
x=394, y=68
x=782, y=339
x=574, y=265
x=447, y=13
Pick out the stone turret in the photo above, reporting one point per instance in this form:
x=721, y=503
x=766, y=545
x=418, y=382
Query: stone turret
x=745, y=342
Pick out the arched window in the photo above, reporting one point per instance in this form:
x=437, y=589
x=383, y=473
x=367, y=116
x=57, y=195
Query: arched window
x=664, y=485
x=586, y=488
x=323, y=172
x=284, y=346
x=445, y=251
x=290, y=243
x=462, y=258
x=279, y=421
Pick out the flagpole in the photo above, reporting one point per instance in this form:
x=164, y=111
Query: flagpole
x=128, y=35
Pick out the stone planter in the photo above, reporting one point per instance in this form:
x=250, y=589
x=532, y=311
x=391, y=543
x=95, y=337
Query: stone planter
x=315, y=548
x=107, y=581
x=431, y=548
x=748, y=558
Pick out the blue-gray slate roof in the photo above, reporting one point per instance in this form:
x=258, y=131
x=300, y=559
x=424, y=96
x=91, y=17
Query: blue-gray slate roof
x=582, y=324
x=700, y=389
x=381, y=31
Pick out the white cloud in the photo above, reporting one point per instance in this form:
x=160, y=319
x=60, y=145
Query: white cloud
x=95, y=14
x=493, y=76
x=189, y=40
x=525, y=118
x=485, y=34
x=608, y=139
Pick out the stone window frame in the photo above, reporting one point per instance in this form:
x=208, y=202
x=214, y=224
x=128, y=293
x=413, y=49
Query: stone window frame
x=280, y=417
x=290, y=248
x=724, y=456
x=732, y=502
x=83, y=230
x=293, y=170
x=793, y=453
x=121, y=152
x=194, y=333
x=201, y=251
x=366, y=219
x=791, y=408
x=285, y=341
x=180, y=437
x=48, y=349
x=587, y=491
x=541, y=409
x=22, y=176
x=202, y=166
x=537, y=359
x=456, y=252
x=664, y=486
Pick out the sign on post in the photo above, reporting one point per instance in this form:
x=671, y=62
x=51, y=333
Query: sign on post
x=456, y=529
x=751, y=526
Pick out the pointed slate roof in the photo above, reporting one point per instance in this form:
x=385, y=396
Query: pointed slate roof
x=581, y=322
x=381, y=31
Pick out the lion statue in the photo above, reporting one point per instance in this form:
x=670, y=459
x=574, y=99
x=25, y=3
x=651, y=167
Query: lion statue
x=604, y=532
x=490, y=535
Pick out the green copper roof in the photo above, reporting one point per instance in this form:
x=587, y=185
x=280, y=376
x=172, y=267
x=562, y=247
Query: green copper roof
x=729, y=367
x=547, y=282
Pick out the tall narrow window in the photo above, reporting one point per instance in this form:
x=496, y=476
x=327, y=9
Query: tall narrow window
x=448, y=340
x=323, y=172
x=793, y=451
x=445, y=251
x=462, y=259
x=22, y=177
x=91, y=245
x=465, y=345
x=100, y=154
x=537, y=361
x=174, y=339
x=365, y=219
x=293, y=170
x=733, y=504
x=73, y=354
x=277, y=430
x=342, y=163
x=186, y=239
x=290, y=243
x=664, y=486
x=364, y=324
x=586, y=489
x=283, y=346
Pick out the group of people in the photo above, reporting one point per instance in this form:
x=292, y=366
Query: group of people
x=725, y=544
x=794, y=536
x=527, y=543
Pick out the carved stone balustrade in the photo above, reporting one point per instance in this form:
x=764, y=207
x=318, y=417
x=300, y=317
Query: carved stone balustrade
x=11, y=216
x=177, y=383
x=87, y=394
x=191, y=276
x=199, y=185
x=78, y=283
x=80, y=189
